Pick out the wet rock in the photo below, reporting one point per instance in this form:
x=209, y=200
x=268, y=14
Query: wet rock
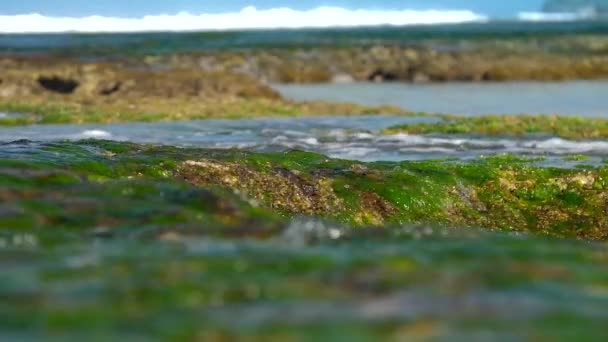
x=279, y=188
x=110, y=88
x=212, y=194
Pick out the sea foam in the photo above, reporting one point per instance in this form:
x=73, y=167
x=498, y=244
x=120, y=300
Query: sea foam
x=542, y=16
x=247, y=18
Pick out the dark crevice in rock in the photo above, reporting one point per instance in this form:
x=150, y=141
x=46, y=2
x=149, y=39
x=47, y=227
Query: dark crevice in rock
x=58, y=84
x=111, y=89
x=381, y=75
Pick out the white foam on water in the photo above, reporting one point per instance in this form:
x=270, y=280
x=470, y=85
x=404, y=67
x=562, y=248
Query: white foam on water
x=247, y=18
x=352, y=142
x=353, y=152
x=309, y=141
x=556, y=146
x=95, y=133
x=544, y=16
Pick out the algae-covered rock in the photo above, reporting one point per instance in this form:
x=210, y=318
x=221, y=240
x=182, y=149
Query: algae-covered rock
x=516, y=125
x=495, y=193
x=114, y=240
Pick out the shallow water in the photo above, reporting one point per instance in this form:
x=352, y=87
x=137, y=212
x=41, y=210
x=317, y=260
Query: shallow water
x=580, y=98
x=355, y=138
x=8, y=115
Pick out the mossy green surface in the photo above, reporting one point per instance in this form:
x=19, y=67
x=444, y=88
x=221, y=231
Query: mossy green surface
x=503, y=192
x=560, y=126
x=118, y=240
x=414, y=283
x=65, y=111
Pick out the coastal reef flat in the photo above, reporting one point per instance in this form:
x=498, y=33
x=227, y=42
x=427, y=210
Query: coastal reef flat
x=479, y=60
x=190, y=76
x=49, y=90
x=492, y=52
x=116, y=240
x=512, y=125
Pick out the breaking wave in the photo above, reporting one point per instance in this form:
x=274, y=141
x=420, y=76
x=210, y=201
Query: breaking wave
x=247, y=18
x=542, y=16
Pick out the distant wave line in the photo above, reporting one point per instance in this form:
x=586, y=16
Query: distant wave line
x=543, y=16
x=247, y=18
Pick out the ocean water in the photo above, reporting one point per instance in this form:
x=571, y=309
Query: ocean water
x=353, y=138
x=100, y=45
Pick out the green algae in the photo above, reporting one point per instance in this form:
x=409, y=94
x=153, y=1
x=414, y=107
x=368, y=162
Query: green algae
x=114, y=240
x=576, y=157
x=559, y=126
x=416, y=282
x=501, y=193
x=64, y=111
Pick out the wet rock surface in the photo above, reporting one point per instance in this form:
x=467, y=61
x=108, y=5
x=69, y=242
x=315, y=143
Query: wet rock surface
x=120, y=240
x=504, y=193
x=557, y=126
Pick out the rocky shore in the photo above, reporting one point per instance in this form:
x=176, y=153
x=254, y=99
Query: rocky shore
x=233, y=83
x=535, y=59
x=55, y=90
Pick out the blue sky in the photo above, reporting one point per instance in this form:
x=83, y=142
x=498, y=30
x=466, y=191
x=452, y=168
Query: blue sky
x=130, y=8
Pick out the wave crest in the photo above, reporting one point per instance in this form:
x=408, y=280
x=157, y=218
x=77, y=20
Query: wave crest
x=247, y=18
x=547, y=17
